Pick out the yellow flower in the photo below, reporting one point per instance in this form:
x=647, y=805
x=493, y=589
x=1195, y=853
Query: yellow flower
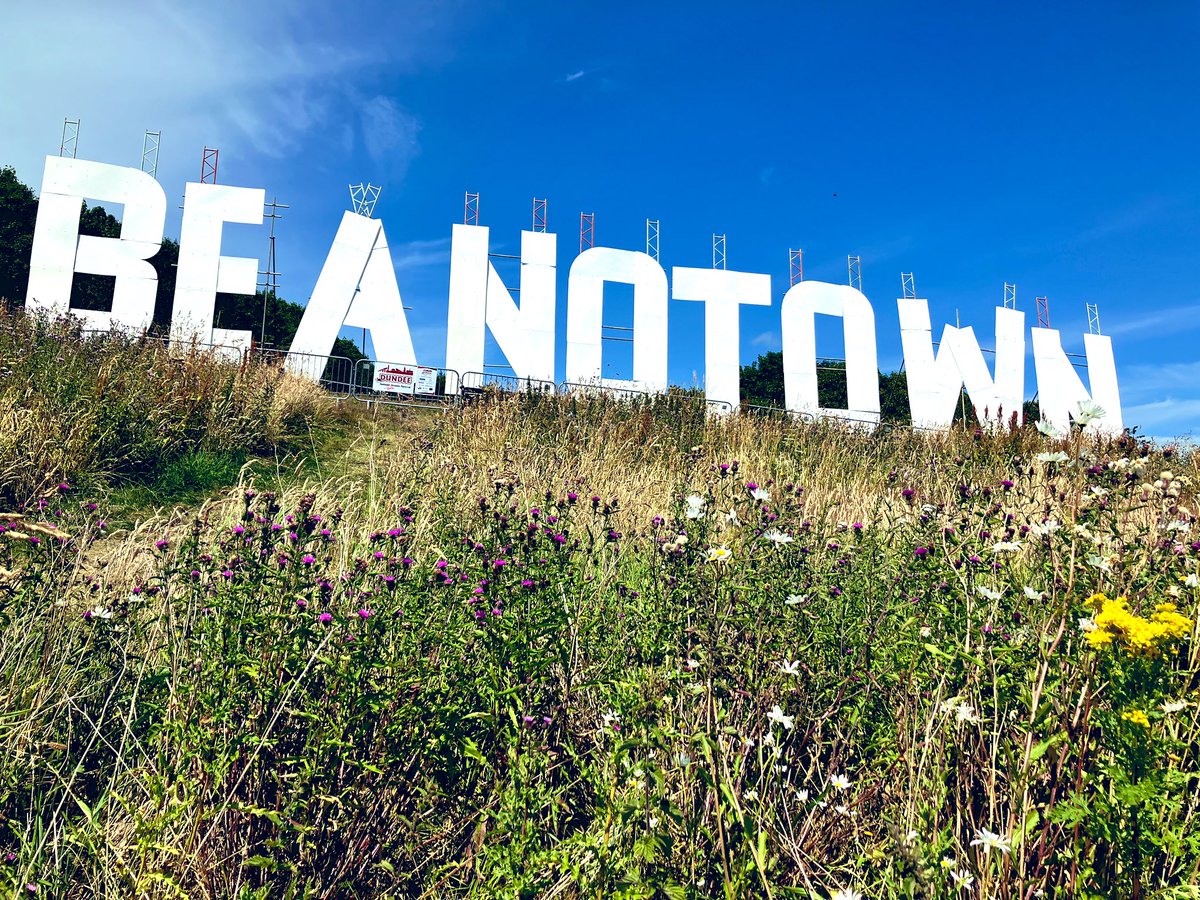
x=1116, y=624
x=1137, y=717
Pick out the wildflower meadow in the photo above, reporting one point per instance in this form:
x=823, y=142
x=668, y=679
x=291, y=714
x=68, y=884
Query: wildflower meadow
x=549, y=647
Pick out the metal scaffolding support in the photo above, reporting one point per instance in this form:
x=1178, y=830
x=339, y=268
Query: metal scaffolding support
x=1093, y=313
x=150, y=144
x=270, y=277
x=539, y=215
x=1010, y=296
x=208, y=165
x=70, y=138
x=587, y=231
x=718, y=251
x=907, y=287
x=854, y=268
x=363, y=198
x=795, y=266
x=652, y=233
x=1043, y=311
x=471, y=209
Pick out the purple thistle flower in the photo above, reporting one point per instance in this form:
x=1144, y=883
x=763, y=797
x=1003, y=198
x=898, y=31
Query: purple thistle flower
x=161, y=543
x=308, y=559
x=366, y=613
x=324, y=618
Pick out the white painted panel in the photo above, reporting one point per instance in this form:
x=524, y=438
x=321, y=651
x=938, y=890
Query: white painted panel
x=1060, y=389
x=59, y=251
x=585, y=312
x=801, y=305
x=479, y=298
x=722, y=291
x=206, y=207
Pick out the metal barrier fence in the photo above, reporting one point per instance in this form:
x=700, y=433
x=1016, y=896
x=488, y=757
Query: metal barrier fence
x=593, y=391
x=333, y=373
x=475, y=382
x=229, y=352
x=405, y=384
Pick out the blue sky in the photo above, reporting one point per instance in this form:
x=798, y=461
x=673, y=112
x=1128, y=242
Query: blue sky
x=1050, y=145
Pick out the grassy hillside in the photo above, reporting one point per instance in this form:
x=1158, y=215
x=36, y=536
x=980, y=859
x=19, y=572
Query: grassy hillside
x=545, y=648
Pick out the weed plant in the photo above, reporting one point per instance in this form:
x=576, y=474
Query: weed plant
x=544, y=648
x=100, y=406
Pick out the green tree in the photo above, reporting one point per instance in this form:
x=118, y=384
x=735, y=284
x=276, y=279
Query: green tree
x=18, y=213
x=762, y=385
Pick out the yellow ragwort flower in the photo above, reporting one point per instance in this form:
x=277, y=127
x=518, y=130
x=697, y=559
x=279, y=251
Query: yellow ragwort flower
x=1137, y=717
x=1116, y=624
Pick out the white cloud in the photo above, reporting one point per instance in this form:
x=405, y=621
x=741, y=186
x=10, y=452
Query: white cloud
x=1177, y=417
x=1165, y=321
x=575, y=76
x=766, y=339
x=390, y=134
x=262, y=82
x=421, y=255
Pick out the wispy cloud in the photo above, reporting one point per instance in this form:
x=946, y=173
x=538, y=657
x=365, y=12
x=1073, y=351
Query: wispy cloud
x=1122, y=221
x=575, y=76
x=390, y=134
x=1173, y=320
x=1173, y=417
x=421, y=255
x=769, y=339
x=258, y=81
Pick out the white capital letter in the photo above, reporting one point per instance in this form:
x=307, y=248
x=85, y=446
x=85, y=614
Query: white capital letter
x=203, y=272
x=478, y=297
x=585, y=308
x=356, y=287
x=59, y=251
x=934, y=382
x=1060, y=390
x=721, y=291
x=801, y=304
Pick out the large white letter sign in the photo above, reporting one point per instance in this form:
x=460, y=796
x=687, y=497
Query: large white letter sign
x=585, y=311
x=801, y=304
x=203, y=272
x=721, y=291
x=356, y=287
x=1060, y=390
x=59, y=251
x=934, y=381
x=478, y=297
